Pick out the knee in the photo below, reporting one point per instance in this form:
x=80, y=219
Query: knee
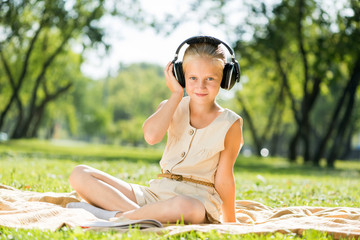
x=78, y=174
x=191, y=209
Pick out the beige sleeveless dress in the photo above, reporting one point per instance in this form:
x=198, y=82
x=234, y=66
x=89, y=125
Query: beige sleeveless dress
x=192, y=153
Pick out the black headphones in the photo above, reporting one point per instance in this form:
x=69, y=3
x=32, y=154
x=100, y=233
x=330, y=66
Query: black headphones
x=231, y=73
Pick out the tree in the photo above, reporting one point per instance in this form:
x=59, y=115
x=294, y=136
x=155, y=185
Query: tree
x=110, y=110
x=347, y=40
x=31, y=28
x=35, y=34
x=309, y=55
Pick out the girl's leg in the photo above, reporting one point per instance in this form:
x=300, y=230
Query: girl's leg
x=107, y=192
x=172, y=210
x=102, y=190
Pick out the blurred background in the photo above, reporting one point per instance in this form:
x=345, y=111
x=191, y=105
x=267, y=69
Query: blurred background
x=92, y=70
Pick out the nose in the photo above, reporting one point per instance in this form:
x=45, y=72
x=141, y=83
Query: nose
x=201, y=84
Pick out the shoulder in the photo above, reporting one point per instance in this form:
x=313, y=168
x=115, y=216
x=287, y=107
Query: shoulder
x=232, y=144
x=234, y=134
x=233, y=121
x=232, y=116
x=236, y=127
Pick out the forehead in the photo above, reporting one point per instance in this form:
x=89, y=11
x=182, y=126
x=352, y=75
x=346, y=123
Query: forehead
x=201, y=63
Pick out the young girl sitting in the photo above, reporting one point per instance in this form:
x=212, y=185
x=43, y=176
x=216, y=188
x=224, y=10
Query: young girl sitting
x=196, y=183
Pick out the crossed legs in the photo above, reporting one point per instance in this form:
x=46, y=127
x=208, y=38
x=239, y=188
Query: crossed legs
x=107, y=192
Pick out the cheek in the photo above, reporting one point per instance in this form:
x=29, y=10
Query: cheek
x=189, y=83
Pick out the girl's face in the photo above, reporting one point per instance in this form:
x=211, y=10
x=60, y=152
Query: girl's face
x=203, y=77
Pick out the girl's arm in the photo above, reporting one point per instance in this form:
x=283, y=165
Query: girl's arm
x=156, y=126
x=224, y=178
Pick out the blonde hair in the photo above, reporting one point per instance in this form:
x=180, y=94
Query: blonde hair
x=215, y=52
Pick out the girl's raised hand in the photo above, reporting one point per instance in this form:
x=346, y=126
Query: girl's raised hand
x=171, y=81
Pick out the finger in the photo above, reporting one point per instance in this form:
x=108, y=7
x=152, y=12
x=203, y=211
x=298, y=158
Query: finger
x=166, y=72
x=170, y=67
x=167, y=69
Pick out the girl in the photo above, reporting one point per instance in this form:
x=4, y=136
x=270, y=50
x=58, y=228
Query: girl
x=197, y=182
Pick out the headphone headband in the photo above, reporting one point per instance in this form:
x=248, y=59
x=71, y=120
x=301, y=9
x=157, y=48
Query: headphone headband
x=204, y=39
x=231, y=71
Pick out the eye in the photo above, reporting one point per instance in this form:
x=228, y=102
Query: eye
x=192, y=78
x=210, y=79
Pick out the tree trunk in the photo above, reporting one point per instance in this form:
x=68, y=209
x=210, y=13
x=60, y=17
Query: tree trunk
x=295, y=139
x=293, y=146
x=345, y=121
x=249, y=120
x=306, y=139
x=16, y=87
x=352, y=83
x=276, y=135
x=41, y=108
x=20, y=119
x=40, y=78
x=37, y=120
x=347, y=145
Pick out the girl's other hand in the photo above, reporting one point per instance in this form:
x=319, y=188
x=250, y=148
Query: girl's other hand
x=171, y=81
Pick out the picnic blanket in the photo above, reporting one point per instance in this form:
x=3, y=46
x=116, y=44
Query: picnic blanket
x=27, y=209
x=46, y=211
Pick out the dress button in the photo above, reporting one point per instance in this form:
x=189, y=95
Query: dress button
x=182, y=154
x=191, y=131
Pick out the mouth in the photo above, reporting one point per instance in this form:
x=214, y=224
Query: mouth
x=201, y=94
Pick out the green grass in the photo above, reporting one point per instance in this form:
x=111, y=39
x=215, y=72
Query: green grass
x=45, y=166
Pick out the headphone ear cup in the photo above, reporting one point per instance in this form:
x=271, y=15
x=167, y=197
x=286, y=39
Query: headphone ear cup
x=179, y=73
x=229, y=76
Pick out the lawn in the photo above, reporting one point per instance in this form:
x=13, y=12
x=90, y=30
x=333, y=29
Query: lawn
x=45, y=166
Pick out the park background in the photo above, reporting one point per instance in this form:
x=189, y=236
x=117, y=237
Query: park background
x=92, y=70
x=79, y=77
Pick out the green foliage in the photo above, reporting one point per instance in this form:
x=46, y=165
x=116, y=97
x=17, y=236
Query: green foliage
x=297, y=65
x=38, y=65
x=111, y=110
x=37, y=61
x=137, y=90
x=132, y=96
